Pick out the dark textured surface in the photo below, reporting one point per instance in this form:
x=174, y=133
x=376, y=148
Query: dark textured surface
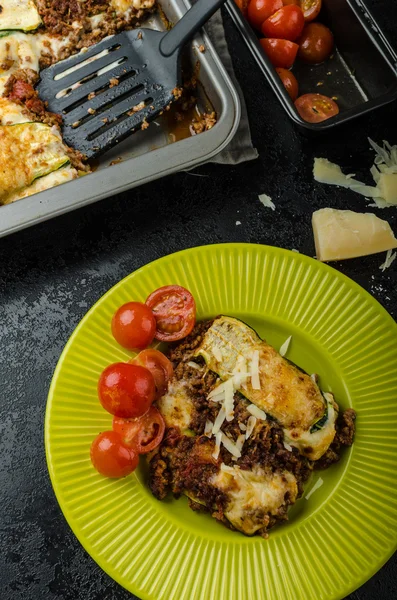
x=51, y=274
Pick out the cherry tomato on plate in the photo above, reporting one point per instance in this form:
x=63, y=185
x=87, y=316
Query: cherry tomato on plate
x=294, y=2
x=260, y=10
x=111, y=457
x=159, y=366
x=315, y=43
x=290, y=83
x=311, y=9
x=175, y=311
x=141, y=435
x=315, y=108
x=287, y=24
x=133, y=325
x=281, y=53
x=126, y=390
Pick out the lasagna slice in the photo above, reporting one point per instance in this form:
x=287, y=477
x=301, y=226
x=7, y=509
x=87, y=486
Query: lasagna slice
x=226, y=448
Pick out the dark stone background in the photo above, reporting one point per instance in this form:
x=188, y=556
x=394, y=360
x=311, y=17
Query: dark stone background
x=52, y=273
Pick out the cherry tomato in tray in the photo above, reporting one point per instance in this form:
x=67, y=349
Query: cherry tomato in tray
x=287, y=24
x=133, y=325
x=111, y=457
x=315, y=43
x=126, y=390
x=290, y=83
x=174, y=309
x=315, y=108
x=281, y=53
x=159, y=366
x=311, y=9
x=260, y=10
x=143, y=434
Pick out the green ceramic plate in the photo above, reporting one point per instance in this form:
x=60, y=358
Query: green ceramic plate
x=336, y=539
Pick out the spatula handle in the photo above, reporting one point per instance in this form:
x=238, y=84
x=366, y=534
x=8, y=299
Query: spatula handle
x=191, y=22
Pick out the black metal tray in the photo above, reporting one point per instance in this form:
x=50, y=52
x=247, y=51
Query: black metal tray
x=361, y=72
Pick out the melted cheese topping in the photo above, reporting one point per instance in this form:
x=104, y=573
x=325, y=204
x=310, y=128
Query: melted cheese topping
x=28, y=151
x=17, y=51
x=44, y=183
x=252, y=495
x=11, y=113
x=19, y=14
x=176, y=406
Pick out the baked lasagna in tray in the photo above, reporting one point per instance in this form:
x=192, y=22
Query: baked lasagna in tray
x=245, y=427
x=34, y=35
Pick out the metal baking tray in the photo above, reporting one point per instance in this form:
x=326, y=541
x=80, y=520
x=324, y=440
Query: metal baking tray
x=146, y=155
x=361, y=73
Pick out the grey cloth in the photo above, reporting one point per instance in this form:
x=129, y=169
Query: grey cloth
x=240, y=148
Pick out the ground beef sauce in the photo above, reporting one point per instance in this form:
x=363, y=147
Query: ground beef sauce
x=184, y=463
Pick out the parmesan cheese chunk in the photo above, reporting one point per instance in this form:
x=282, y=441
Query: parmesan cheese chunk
x=341, y=234
x=387, y=185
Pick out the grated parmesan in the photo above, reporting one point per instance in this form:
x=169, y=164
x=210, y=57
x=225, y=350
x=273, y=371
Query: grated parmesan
x=242, y=427
x=221, y=416
x=250, y=426
x=208, y=428
x=267, y=201
x=229, y=400
x=193, y=365
x=254, y=369
x=390, y=257
x=284, y=348
x=287, y=446
x=217, y=448
x=317, y=485
x=256, y=412
x=230, y=446
x=240, y=442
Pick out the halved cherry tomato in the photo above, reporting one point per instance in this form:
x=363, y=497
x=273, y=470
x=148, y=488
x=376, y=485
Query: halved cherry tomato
x=315, y=108
x=174, y=309
x=260, y=10
x=141, y=435
x=290, y=83
x=159, y=366
x=126, y=390
x=311, y=9
x=315, y=43
x=243, y=6
x=111, y=457
x=281, y=53
x=287, y=24
x=133, y=325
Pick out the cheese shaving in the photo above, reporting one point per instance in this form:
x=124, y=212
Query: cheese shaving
x=314, y=377
x=208, y=428
x=317, y=485
x=287, y=446
x=284, y=348
x=256, y=412
x=218, y=439
x=267, y=201
x=254, y=369
x=250, y=426
x=390, y=257
x=193, y=365
x=230, y=446
x=227, y=469
x=242, y=427
x=221, y=416
x=240, y=442
x=229, y=400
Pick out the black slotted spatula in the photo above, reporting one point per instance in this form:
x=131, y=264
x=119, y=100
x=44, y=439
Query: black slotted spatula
x=119, y=84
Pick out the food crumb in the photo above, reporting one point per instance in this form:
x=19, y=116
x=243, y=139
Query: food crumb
x=329, y=72
x=334, y=97
x=139, y=36
x=201, y=48
x=319, y=83
x=238, y=222
x=91, y=95
x=144, y=125
x=105, y=120
x=113, y=82
x=92, y=111
x=116, y=161
x=177, y=92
